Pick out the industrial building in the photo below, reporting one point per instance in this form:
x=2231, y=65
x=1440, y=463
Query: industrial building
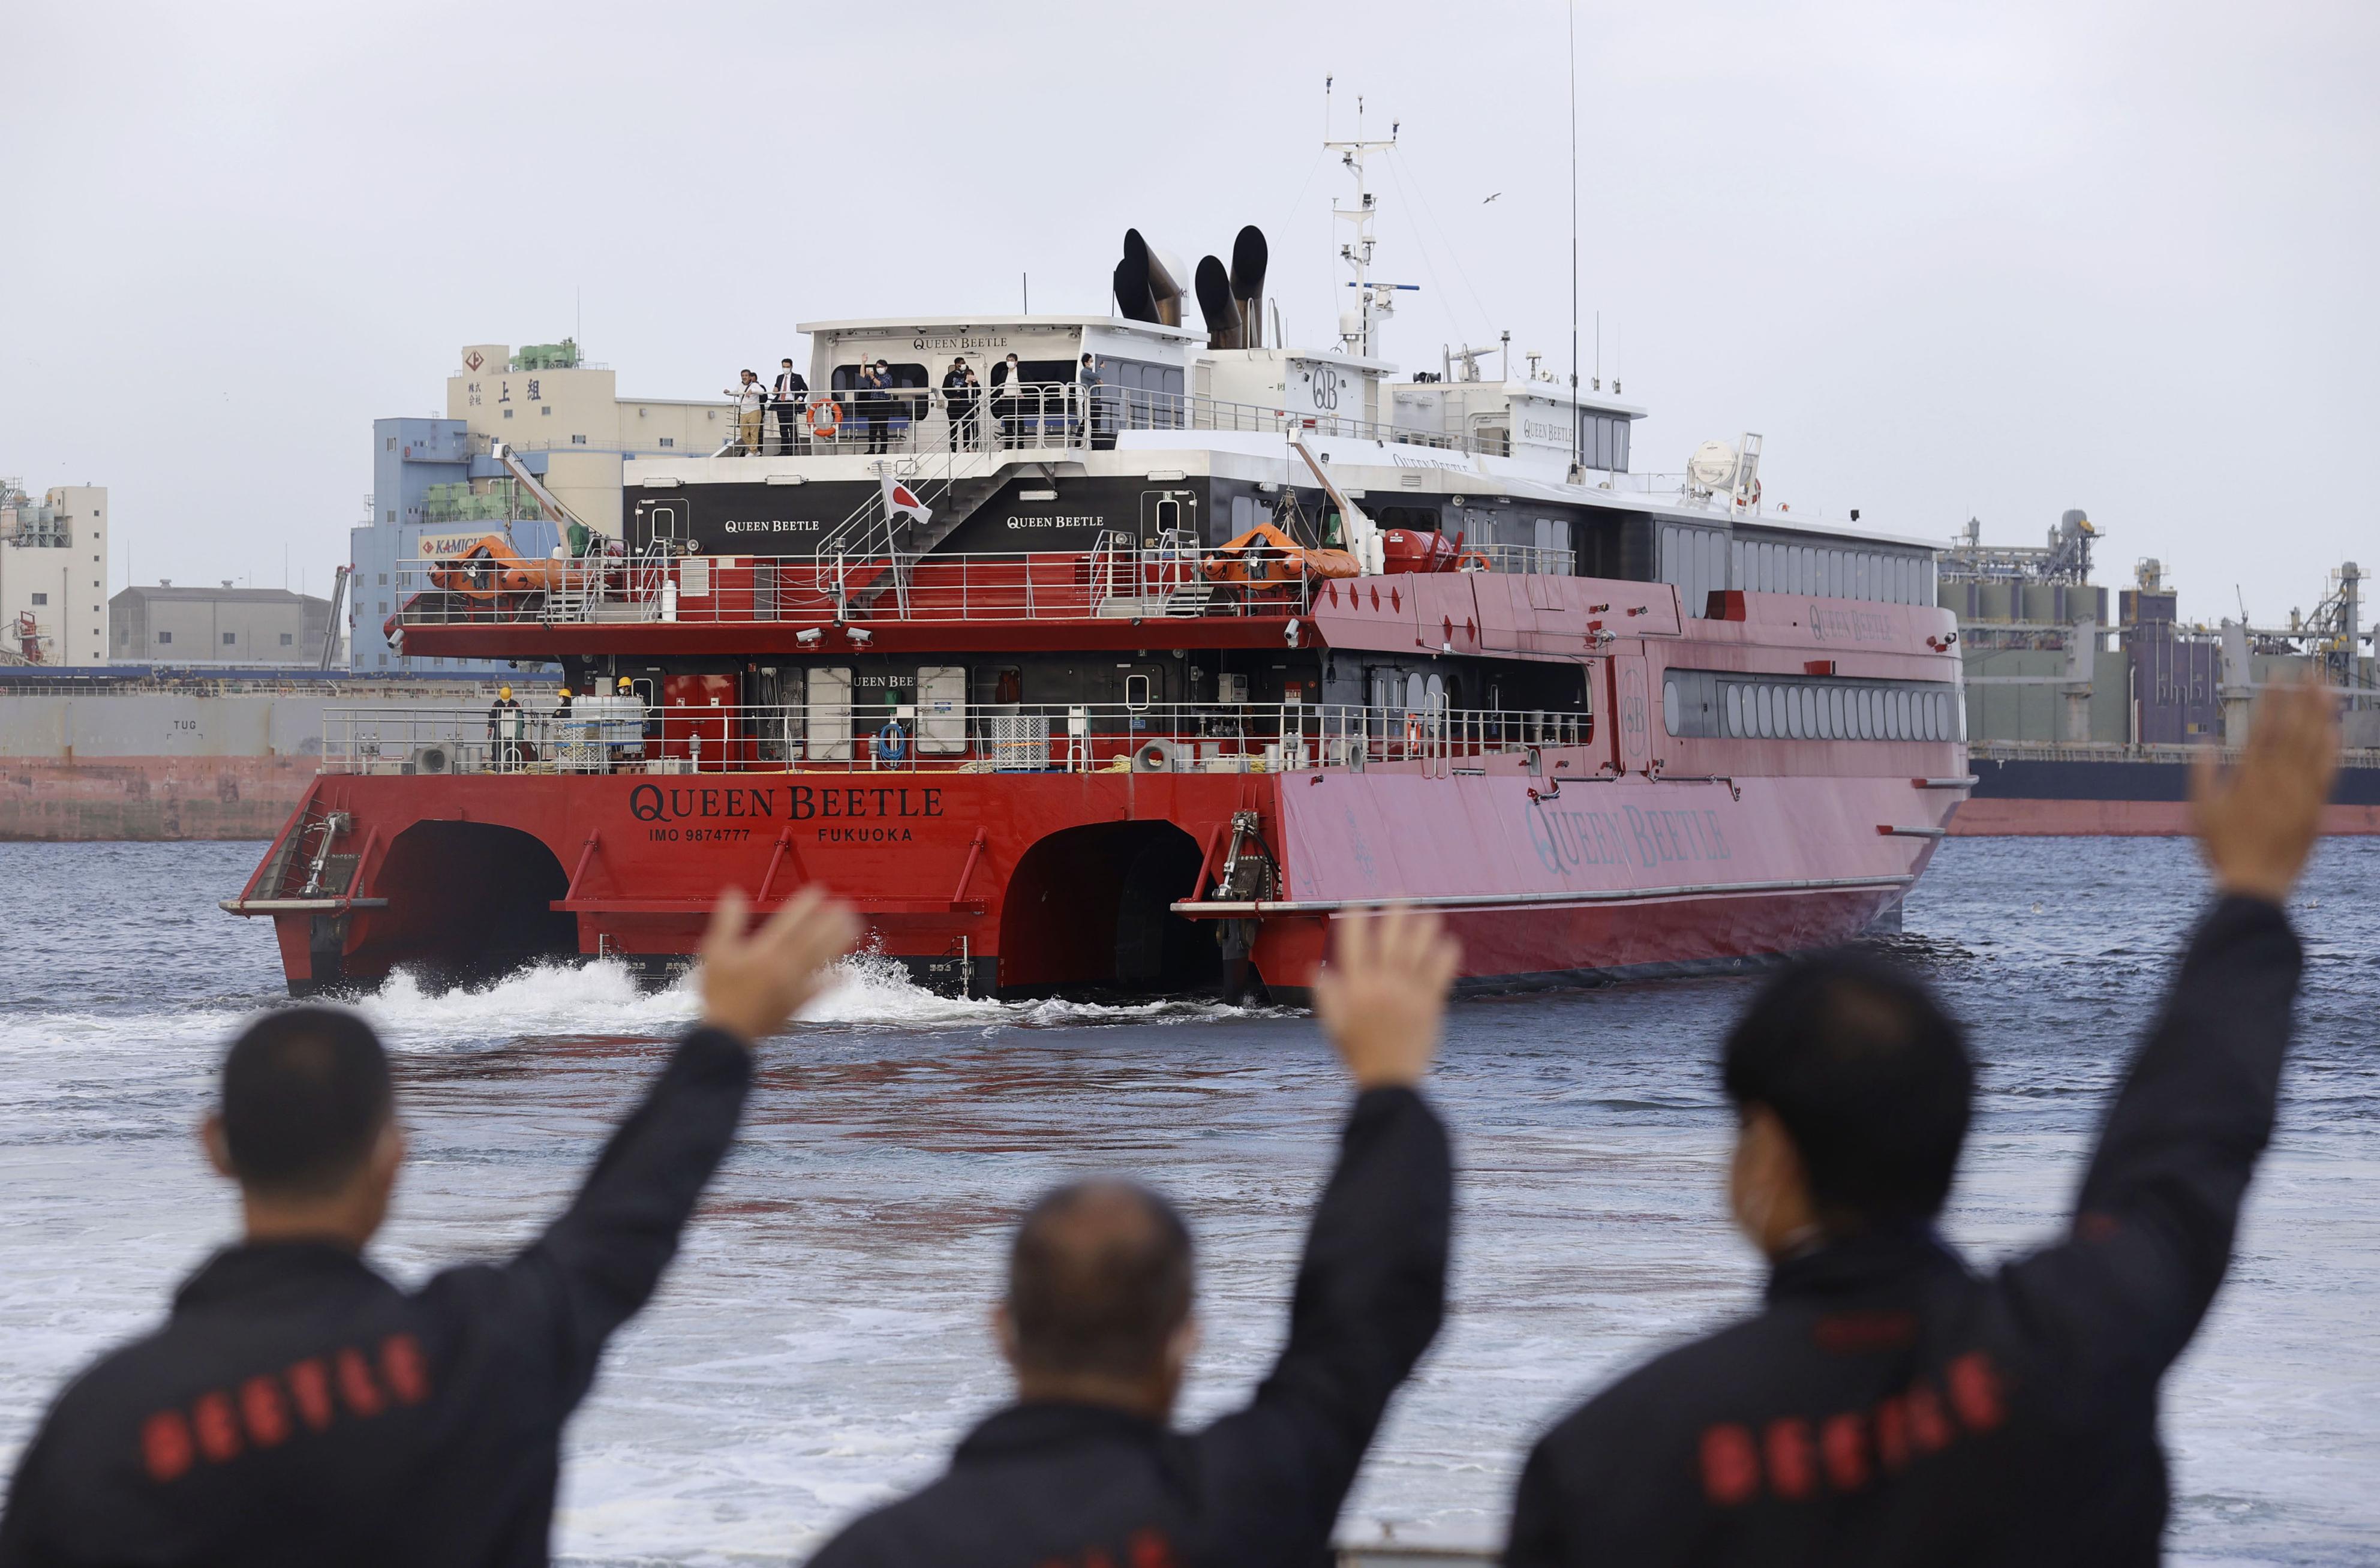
x=54, y=575
x=437, y=489
x=2046, y=665
x=250, y=627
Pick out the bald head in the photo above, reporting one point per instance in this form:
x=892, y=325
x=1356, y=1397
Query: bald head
x=1100, y=1279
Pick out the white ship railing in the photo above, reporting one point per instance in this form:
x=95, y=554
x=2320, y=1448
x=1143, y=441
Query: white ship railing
x=613, y=734
x=1120, y=576
x=1044, y=416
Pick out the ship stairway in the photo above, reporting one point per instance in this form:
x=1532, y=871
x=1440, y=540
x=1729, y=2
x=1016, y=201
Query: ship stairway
x=873, y=552
x=307, y=864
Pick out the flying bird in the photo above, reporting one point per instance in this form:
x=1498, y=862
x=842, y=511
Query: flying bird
x=1491, y=199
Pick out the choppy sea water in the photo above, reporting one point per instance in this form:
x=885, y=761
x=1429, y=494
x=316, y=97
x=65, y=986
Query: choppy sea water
x=822, y=1338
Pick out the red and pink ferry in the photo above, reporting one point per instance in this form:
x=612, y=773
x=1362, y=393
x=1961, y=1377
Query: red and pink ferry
x=1136, y=673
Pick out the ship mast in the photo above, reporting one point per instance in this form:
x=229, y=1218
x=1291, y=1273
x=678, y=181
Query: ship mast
x=1371, y=298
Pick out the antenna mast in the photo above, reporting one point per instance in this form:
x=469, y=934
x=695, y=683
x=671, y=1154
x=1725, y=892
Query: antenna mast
x=1371, y=299
x=1577, y=421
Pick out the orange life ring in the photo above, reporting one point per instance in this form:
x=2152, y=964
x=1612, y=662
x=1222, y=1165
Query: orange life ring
x=825, y=416
x=1412, y=729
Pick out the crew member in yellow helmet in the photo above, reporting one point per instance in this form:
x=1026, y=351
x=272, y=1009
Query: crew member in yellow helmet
x=504, y=729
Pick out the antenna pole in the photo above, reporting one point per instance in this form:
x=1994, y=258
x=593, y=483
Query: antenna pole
x=1577, y=425
x=1371, y=300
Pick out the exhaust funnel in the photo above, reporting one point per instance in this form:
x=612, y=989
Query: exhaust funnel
x=1224, y=327
x=1249, y=254
x=1148, y=284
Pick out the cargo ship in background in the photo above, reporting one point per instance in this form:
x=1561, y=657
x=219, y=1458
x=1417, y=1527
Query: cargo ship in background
x=1139, y=664
x=2081, y=724
x=146, y=753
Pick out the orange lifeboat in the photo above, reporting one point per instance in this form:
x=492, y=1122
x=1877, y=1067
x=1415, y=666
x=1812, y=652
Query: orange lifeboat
x=492, y=569
x=1266, y=555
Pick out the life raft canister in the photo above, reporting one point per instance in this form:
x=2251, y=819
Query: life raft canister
x=825, y=416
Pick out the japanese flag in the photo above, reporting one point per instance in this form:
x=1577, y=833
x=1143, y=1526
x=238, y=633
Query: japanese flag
x=900, y=498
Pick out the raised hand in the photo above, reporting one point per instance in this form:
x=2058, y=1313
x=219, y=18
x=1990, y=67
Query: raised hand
x=752, y=984
x=2256, y=824
x=1382, y=996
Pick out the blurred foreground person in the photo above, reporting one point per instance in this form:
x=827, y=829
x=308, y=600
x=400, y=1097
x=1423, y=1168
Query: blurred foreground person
x=1889, y=1405
x=1085, y=1468
x=298, y=1409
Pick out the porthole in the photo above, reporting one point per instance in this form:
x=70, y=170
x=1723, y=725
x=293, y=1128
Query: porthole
x=1669, y=714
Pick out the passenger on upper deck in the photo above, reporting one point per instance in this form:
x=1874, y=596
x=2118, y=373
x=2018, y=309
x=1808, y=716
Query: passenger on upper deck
x=751, y=400
x=875, y=403
x=1887, y=1404
x=786, y=401
x=1096, y=1323
x=963, y=395
x=1086, y=411
x=1007, y=398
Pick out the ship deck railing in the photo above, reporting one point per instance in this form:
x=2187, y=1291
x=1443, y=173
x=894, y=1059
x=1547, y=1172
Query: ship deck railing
x=1120, y=578
x=629, y=735
x=1041, y=415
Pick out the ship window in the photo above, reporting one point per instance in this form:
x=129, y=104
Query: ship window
x=1423, y=518
x=164, y=636
x=287, y=639
x=669, y=441
x=1710, y=703
x=1136, y=692
x=41, y=599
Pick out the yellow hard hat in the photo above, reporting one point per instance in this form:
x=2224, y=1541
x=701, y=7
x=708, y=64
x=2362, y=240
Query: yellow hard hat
x=503, y=691
x=565, y=691
x=625, y=684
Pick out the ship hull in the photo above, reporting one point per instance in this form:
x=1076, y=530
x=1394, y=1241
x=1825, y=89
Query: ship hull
x=1074, y=882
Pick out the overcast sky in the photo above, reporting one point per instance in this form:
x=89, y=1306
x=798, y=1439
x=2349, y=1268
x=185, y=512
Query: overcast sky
x=1949, y=261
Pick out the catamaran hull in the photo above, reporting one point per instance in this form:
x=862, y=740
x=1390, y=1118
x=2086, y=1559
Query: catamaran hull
x=994, y=883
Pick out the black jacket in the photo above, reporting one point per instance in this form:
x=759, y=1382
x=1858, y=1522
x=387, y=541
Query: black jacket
x=1889, y=1406
x=297, y=1408
x=1043, y=1484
